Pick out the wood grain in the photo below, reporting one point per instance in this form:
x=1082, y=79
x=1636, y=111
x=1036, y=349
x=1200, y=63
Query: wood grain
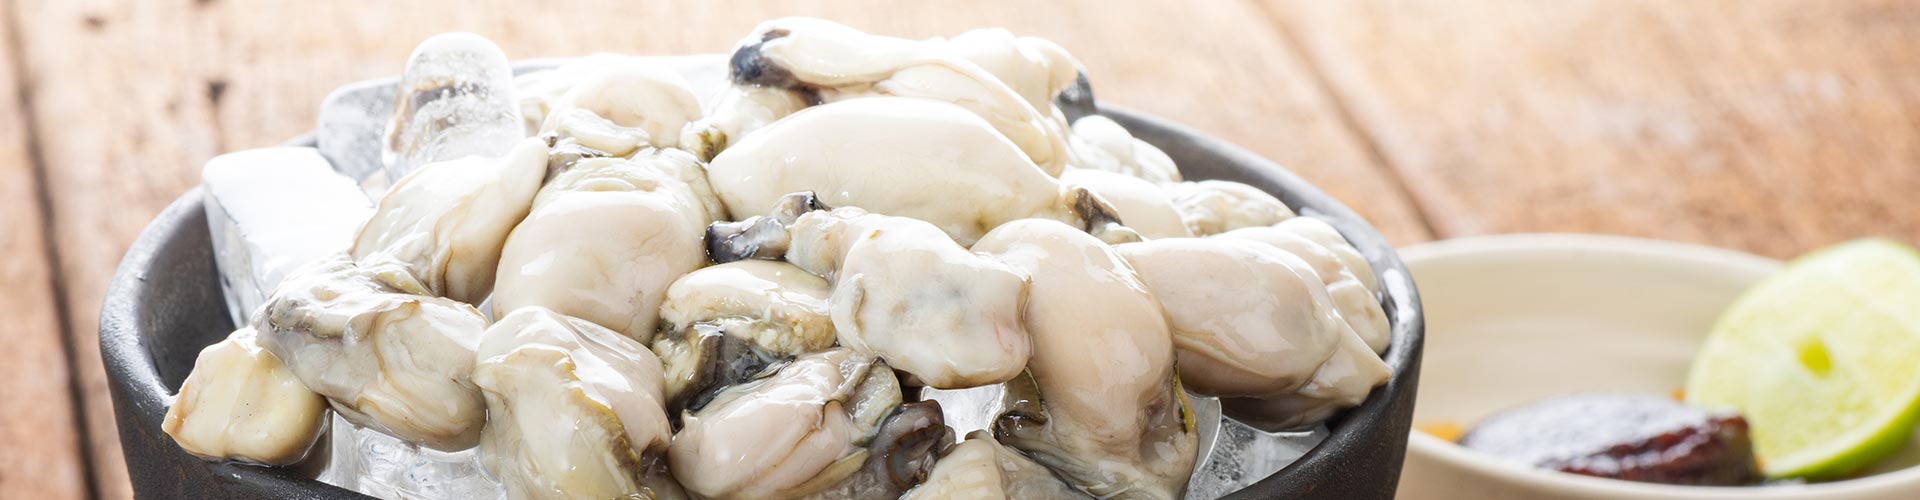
x=40, y=440
x=136, y=95
x=1775, y=126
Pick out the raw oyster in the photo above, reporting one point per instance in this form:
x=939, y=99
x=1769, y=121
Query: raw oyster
x=1099, y=143
x=385, y=353
x=829, y=62
x=829, y=425
x=919, y=158
x=605, y=238
x=648, y=97
x=241, y=403
x=574, y=411
x=1214, y=207
x=725, y=323
x=949, y=317
x=1351, y=295
x=981, y=468
x=1140, y=205
x=603, y=241
x=447, y=221
x=1101, y=406
x=1252, y=321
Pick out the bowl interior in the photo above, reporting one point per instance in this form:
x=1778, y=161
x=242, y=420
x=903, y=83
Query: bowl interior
x=1520, y=318
x=165, y=305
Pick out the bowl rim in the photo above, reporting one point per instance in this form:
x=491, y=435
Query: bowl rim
x=1373, y=428
x=1420, y=443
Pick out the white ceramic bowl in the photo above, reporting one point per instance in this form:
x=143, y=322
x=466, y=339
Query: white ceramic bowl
x=1516, y=318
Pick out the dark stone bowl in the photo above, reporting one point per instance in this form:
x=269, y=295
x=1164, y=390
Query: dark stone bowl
x=165, y=305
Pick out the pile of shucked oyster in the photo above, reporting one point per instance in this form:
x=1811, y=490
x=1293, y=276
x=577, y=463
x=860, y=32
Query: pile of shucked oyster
x=612, y=283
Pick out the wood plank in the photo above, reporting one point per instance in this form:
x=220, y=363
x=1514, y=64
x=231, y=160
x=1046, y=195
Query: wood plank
x=38, y=429
x=1774, y=126
x=177, y=82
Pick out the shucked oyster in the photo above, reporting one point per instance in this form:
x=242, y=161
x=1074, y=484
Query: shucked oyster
x=446, y=221
x=829, y=425
x=241, y=403
x=918, y=158
x=1334, y=260
x=385, y=353
x=573, y=411
x=1099, y=143
x=983, y=469
x=1143, y=206
x=1252, y=321
x=725, y=323
x=1214, y=207
x=1101, y=407
x=829, y=62
x=643, y=96
x=903, y=290
x=605, y=238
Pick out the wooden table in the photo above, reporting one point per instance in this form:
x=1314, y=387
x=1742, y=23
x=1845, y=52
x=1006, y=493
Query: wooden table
x=1772, y=126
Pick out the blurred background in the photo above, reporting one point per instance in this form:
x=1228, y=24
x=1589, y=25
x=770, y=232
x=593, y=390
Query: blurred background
x=1771, y=126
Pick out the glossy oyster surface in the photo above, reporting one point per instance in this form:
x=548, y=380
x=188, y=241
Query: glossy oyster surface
x=1214, y=207
x=918, y=158
x=827, y=425
x=982, y=468
x=574, y=410
x=241, y=403
x=1334, y=260
x=830, y=62
x=1256, y=326
x=949, y=317
x=385, y=354
x=446, y=221
x=604, y=239
x=726, y=323
x=1100, y=404
x=647, y=97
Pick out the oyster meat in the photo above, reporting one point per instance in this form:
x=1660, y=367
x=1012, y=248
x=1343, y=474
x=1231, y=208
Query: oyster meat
x=1335, y=261
x=902, y=289
x=646, y=97
x=1256, y=326
x=241, y=403
x=981, y=468
x=604, y=239
x=829, y=425
x=726, y=323
x=1214, y=207
x=1100, y=406
x=918, y=158
x=574, y=411
x=1099, y=143
x=829, y=62
x=385, y=353
x=447, y=221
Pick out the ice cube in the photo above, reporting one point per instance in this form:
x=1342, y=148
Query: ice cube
x=273, y=210
x=968, y=410
x=352, y=120
x=382, y=466
x=455, y=99
x=1234, y=456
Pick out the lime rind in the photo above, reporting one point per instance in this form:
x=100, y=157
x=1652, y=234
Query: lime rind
x=1823, y=359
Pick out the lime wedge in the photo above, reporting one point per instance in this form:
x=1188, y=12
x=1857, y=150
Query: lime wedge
x=1823, y=360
